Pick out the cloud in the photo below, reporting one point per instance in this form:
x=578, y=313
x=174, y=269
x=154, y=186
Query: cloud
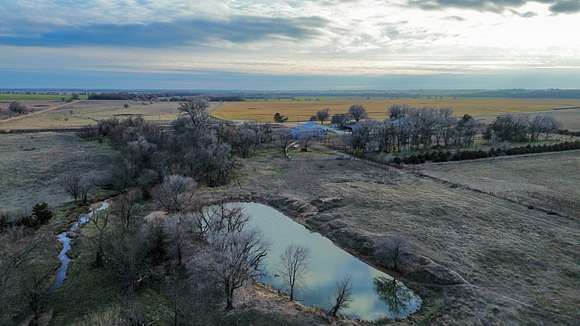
x=455, y=18
x=237, y=29
x=556, y=6
x=568, y=6
x=527, y=14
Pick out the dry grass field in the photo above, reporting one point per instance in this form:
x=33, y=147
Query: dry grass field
x=550, y=181
x=521, y=265
x=85, y=113
x=33, y=106
x=263, y=111
x=32, y=165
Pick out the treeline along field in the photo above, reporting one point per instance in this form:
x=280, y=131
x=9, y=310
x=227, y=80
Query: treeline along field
x=263, y=111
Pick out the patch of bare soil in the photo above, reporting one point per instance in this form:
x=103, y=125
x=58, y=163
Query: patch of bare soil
x=474, y=258
x=265, y=300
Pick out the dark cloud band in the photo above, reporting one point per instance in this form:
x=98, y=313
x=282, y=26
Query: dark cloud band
x=240, y=29
x=556, y=6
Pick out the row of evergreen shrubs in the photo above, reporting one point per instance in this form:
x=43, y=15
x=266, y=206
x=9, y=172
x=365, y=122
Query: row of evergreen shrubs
x=567, y=132
x=445, y=156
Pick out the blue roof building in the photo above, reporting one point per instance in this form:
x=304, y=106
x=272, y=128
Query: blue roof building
x=310, y=128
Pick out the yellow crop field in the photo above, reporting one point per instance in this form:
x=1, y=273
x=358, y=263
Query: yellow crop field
x=263, y=111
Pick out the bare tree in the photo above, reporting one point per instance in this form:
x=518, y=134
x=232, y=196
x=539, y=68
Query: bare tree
x=72, y=185
x=285, y=138
x=342, y=297
x=78, y=187
x=126, y=207
x=357, y=112
x=237, y=252
x=86, y=186
x=394, y=252
x=36, y=290
x=238, y=257
x=220, y=219
x=196, y=110
x=323, y=115
x=176, y=193
x=100, y=221
x=294, y=261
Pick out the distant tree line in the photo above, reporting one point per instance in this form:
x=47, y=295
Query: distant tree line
x=171, y=97
x=113, y=96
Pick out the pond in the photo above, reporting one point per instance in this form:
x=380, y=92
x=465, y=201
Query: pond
x=374, y=294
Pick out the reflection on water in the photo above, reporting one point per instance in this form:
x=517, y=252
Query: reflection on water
x=375, y=295
x=395, y=295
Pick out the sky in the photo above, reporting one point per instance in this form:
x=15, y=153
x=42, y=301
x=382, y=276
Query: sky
x=290, y=44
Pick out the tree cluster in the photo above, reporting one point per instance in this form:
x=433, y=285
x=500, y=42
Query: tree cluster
x=17, y=108
x=197, y=147
x=520, y=128
x=23, y=279
x=413, y=129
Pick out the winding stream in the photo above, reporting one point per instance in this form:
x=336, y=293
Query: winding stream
x=65, y=239
x=374, y=294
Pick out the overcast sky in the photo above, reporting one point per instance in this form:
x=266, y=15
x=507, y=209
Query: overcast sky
x=290, y=44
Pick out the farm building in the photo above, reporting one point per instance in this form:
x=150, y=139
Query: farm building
x=310, y=128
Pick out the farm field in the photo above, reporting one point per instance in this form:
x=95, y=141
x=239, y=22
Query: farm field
x=549, y=180
x=33, y=106
x=85, y=113
x=520, y=265
x=263, y=111
x=31, y=166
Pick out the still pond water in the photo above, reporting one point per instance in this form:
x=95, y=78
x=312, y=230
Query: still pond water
x=374, y=294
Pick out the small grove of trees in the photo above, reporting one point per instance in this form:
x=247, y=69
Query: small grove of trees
x=17, y=108
x=198, y=148
x=77, y=186
x=409, y=128
x=278, y=118
x=520, y=128
x=213, y=244
x=294, y=262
